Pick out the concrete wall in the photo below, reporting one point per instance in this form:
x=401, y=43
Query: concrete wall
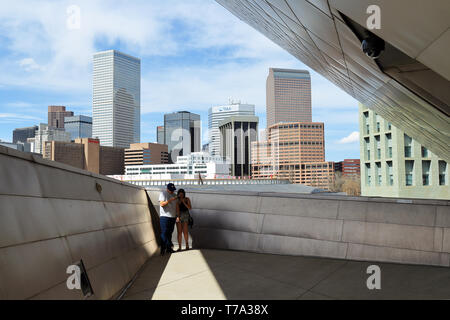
x=354, y=228
x=51, y=215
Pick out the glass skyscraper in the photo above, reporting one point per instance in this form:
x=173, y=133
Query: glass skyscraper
x=182, y=134
x=116, y=99
x=78, y=126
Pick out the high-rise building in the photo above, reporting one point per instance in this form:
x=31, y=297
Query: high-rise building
x=86, y=154
x=56, y=115
x=146, y=153
x=219, y=113
x=288, y=96
x=182, y=134
x=116, y=105
x=348, y=168
x=22, y=134
x=78, y=126
x=160, y=134
x=294, y=151
x=237, y=133
x=44, y=134
x=393, y=164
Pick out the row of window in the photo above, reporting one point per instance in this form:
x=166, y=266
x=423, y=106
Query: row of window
x=409, y=173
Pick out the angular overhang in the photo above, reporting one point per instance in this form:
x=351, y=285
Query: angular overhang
x=408, y=85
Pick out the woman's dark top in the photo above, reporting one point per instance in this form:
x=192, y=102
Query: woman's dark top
x=183, y=208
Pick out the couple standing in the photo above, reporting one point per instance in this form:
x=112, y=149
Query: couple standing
x=174, y=209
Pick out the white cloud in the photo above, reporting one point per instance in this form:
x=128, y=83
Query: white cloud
x=14, y=117
x=28, y=64
x=351, y=138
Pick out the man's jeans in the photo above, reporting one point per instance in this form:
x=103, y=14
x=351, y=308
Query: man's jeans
x=167, y=226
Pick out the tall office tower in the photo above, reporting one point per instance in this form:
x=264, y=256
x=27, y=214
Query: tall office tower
x=116, y=102
x=22, y=134
x=293, y=151
x=236, y=136
x=182, y=134
x=78, y=126
x=288, y=96
x=219, y=113
x=56, y=115
x=395, y=165
x=160, y=134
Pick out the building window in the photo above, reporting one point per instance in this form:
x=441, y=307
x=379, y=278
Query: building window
x=367, y=144
x=390, y=173
x=378, y=173
x=426, y=172
x=368, y=176
x=442, y=173
x=409, y=169
x=377, y=140
x=424, y=152
x=389, y=145
x=408, y=143
x=366, y=122
x=378, y=119
x=389, y=126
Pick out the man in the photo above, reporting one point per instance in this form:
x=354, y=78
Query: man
x=167, y=217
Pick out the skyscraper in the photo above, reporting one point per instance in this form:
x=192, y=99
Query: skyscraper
x=56, y=115
x=78, y=126
x=288, y=96
x=160, y=134
x=116, y=99
x=219, y=113
x=294, y=151
x=182, y=134
x=236, y=136
x=22, y=134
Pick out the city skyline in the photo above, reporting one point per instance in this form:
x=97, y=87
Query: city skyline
x=196, y=67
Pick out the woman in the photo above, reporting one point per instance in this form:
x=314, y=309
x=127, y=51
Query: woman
x=183, y=207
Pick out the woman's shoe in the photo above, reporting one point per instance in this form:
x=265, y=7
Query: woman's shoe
x=179, y=249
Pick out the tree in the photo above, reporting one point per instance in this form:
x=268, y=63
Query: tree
x=348, y=184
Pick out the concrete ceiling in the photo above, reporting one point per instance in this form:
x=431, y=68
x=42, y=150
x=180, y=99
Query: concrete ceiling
x=317, y=32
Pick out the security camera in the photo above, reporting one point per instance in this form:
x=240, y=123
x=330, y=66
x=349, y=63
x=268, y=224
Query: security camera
x=373, y=46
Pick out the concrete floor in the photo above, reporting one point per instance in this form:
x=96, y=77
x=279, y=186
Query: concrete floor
x=219, y=274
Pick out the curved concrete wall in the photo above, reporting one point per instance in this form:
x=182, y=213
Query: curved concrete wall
x=355, y=228
x=51, y=215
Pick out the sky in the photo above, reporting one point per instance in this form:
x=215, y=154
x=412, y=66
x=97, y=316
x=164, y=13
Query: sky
x=194, y=54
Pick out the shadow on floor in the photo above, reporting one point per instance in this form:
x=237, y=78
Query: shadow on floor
x=220, y=274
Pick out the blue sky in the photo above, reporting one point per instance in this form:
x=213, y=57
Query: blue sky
x=194, y=54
